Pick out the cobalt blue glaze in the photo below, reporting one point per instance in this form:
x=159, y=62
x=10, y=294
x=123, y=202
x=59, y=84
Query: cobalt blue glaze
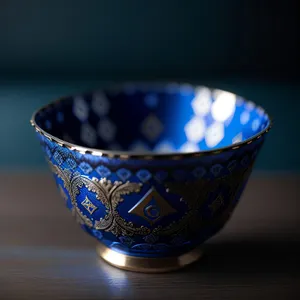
x=174, y=163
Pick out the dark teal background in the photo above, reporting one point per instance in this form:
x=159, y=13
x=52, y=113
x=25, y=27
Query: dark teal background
x=53, y=48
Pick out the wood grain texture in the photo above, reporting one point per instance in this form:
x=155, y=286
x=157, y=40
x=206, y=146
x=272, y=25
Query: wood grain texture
x=45, y=255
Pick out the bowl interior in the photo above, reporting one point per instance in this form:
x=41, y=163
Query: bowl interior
x=164, y=119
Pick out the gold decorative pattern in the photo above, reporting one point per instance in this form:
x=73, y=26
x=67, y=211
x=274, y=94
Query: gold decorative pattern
x=152, y=213
x=195, y=194
x=88, y=205
x=109, y=194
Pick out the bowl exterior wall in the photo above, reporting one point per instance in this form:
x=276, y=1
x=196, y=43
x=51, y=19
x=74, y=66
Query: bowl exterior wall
x=151, y=208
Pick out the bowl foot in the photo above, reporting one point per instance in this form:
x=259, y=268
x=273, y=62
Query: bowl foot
x=148, y=265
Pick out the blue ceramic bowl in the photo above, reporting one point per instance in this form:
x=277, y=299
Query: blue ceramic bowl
x=151, y=171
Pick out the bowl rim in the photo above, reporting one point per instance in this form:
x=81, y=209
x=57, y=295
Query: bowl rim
x=147, y=155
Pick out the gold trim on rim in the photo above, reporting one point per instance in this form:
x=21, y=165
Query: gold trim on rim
x=145, y=156
x=148, y=265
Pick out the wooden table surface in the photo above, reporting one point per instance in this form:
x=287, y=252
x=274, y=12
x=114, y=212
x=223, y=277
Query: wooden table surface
x=45, y=255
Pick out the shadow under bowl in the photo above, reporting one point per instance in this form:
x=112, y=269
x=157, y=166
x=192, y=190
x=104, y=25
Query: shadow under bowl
x=151, y=170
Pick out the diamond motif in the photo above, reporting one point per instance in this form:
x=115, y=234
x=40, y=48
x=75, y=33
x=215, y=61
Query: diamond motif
x=88, y=135
x=255, y=124
x=58, y=157
x=214, y=134
x=123, y=174
x=199, y=172
x=224, y=106
x=232, y=165
x=143, y=175
x=88, y=205
x=64, y=152
x=80, y=109
x=71, y=163
x=152, y=207
x=107, y=130
x=245, y=117
x=100, y=104
x=126, y=240
x=103, y=171
x=85, y=167
x=202, y=102
x=216, y=169
x=195, y=129
x=152, y=127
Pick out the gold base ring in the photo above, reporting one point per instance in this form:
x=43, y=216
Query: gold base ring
x=148, y=265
